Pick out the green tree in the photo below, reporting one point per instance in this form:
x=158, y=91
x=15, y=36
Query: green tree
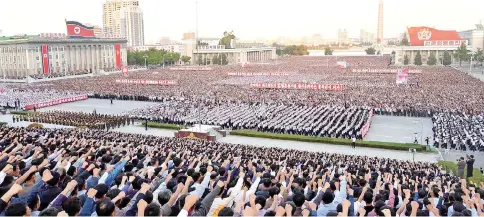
x=228, y=36
x=185, y=59
x=216, y=59
x=432, y=61
x=404, y=41
x=479, y=56
x=328, y=51
x=199, y=59
x=131, y=58
x=405, y=60
x=447, y=58
x=200, y=43
x=418, y=59
x=224, y=60
x=393, y=52
x=461, y=54
x=370, y=51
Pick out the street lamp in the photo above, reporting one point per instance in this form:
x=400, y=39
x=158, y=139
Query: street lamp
x=164, y=60
x=145, y=56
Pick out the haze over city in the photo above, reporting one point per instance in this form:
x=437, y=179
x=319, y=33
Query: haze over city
x=250, y=19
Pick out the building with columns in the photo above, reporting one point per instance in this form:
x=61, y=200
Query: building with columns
x=234, y=56
x=428, y=41
x=20, y=57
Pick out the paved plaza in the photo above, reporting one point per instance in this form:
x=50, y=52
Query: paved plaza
x=399, y=129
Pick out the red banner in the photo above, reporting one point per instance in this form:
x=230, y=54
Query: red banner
x=299, y=86
x=79, y=30
x=45, y=59
x=249, y=74
x=143, y=81
x=385, y=71
x=55, y=102
x=191, y=68
x=117, y=49
x=418, y=35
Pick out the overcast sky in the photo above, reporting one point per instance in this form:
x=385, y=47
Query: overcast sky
x=249, y=19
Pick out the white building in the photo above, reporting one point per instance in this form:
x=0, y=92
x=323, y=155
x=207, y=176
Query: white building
x=132, y=25
x=20, y=57
x=124, y=18
x=111, y=24
x=475, y=37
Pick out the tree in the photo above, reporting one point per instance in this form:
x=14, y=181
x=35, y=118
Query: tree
x=432, y=61
x=228, y=36
x=370, y=51
x=405, y=60
x=447, y=58
x=328, y=51
x=405, y=41
x=479, y=56
x=185, y=59
x=461, y=54
x=223, y=59
x=200, y=59
x=200, y=43
x=216, y=59
x=418, y=59
x=393, y=52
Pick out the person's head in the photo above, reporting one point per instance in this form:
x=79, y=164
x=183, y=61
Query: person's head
x=226, y=211
x=148, y=197
x=273, y=191
x=51, y=211
x=177, y=162
x=164, y=196
x=17, y=209
x=368, y=198
x=260, y=200
x=72, y=206
x=112, y=193
x=105, y=207
x=34, y=203
x=153, y=209
x=328, y=197
x=102, y=190
x=299, y=200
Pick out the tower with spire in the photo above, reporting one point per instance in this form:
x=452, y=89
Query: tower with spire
x=380, y=23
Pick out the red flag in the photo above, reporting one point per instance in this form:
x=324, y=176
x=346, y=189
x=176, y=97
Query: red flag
x=117, y=48
x=45, y=58
x=79, y=30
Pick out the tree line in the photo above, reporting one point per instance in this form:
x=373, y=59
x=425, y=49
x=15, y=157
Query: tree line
x=155, y=57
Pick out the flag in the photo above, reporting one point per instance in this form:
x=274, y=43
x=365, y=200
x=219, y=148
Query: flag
x=341, y=64
x=117, y=49
x=45, y=58
x=79, y=30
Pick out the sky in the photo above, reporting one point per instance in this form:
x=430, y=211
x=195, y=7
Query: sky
x=249, y=19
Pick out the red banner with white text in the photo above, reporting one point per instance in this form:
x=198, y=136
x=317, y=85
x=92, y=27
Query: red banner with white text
x=117, y=49
x=55, y=102
x=191, y=68
x=249, y=74
x=299, y=86
x=145, y=81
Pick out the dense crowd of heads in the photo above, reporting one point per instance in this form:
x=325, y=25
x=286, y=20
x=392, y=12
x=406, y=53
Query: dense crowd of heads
x=70, y=172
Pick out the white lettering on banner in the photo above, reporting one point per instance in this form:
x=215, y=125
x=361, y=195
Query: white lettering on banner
x=445, y=42
x=191, y=68
x=388, y=71
x=298, y=86
x=145, y=82
x=248, y=74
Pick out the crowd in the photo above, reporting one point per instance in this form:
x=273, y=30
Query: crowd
x=76, y=119
x=82, y=172
x=317, y=120
x=458, y=131
x=18, y=98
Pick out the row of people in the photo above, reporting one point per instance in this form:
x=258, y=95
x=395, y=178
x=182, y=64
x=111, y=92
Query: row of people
x=72, y=172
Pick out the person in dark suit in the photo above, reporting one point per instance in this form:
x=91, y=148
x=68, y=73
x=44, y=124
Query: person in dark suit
x=470, y=165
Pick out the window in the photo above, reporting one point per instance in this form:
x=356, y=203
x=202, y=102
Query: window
x=56, y=56
x=50, y=56
x=37, y=57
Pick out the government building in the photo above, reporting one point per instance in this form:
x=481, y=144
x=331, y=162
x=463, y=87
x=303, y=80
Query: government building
x=428, y=41
x=21, y=56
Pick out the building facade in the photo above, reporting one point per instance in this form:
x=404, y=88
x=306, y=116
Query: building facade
x=428, y=41
x=234, y=56
x=132, y=25
x=30, y=56
x=475, y=37
x=342, y=36
x=111, y=24
x=124, y=18
x=366, y=37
